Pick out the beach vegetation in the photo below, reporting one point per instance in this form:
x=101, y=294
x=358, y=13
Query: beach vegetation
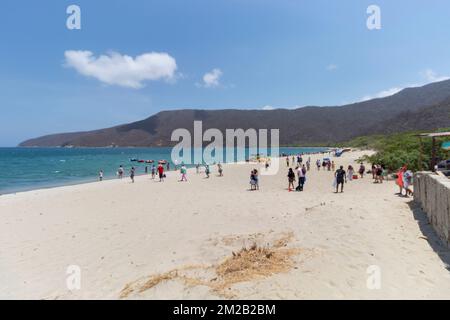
x=398, y=149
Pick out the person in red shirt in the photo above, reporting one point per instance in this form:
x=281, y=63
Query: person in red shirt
x=161, y=173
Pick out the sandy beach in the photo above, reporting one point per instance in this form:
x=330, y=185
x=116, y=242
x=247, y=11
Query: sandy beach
x=183, y=240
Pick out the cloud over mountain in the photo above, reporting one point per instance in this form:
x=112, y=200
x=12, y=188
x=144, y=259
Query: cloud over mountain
x=123, y=70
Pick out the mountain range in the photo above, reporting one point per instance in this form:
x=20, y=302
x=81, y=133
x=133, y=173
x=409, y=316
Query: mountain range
x=418, y=108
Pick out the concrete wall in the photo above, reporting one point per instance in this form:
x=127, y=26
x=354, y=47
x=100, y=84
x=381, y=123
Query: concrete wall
x=432, y=193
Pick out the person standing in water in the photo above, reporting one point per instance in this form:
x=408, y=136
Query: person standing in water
x=120, y=172
x=132, y=172
x=340, y=176
x=100, y=175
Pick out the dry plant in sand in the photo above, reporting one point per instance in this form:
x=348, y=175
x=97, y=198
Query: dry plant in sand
x=244, y=265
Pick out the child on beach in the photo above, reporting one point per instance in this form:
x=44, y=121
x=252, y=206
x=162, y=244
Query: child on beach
x=220, y=169
x=153, y=171
x=291, y=179
x=207, y=171
x=254, y=185
x=183, y=172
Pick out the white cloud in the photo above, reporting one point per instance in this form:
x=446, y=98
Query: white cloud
x=429, y=75
x=212, y=79
x=384, y=93
x=432, y=76
x=268, y=108
x=123, y=70
x=332, y=67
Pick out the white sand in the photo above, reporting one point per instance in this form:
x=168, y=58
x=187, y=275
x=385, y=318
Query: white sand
x=118, y=232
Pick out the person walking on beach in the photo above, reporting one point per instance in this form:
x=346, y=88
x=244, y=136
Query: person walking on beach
x=153, y=171
x=340, y=176
x=120, y=172
x=197, y=168
x=374, y=169
x=399, y=181
x=378, y=174
x=207, y=171
x=132, y=172
x=146, y=170
x=291, y=179
x=318, y=164
x=333, y=166
x=362, y=170
x=254, y=183
x=161, y=173
x=301, y=174
x=308, y=164
x=220, y=169
x=407, y=182
x=100, y=175
x=168, y=166
x=287, y=161
x=351, y=172
x=183, y=172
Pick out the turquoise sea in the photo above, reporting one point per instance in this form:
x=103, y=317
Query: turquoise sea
x=25, y=169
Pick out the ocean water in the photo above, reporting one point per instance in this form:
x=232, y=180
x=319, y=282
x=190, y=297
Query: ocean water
x=25, y=169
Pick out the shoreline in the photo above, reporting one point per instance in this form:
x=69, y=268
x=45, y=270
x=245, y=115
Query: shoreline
x=88, y=180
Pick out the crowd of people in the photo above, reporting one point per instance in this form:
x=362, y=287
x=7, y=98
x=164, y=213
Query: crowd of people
x=297, y=173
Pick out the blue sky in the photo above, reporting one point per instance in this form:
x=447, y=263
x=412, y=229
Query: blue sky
x=252, y=54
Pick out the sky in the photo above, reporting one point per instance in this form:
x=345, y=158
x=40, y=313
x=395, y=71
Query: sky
x=134, y=58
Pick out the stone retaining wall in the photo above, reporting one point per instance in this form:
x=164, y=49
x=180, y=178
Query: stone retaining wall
x=432, y=193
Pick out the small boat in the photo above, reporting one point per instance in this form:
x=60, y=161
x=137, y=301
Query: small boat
x=141, y=161
x=149, y=161
x=162, y=161
x=133, y=160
